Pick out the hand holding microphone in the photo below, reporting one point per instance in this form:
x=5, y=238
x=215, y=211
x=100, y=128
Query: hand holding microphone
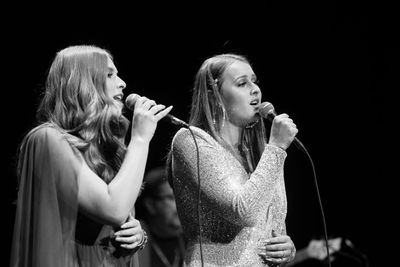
x=146, y=114
x=130, y=103
x=283, y=129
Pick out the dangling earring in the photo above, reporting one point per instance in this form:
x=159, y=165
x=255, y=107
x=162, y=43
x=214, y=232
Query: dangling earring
x=220, y=106
x=224, y=117
x=214, y=122
x=216, y=115
x=214, y=91
x=220, y=114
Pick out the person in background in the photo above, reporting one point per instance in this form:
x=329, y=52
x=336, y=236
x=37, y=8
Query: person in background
x=156, y=210
x=227, y=173
x=77, y=179
x=342, y=253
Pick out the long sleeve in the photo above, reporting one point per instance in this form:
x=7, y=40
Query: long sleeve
x=236, y=209
x=224, y=183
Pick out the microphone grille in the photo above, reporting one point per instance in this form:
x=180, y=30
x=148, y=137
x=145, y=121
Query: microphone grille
x=131, y=100
x=266, y=108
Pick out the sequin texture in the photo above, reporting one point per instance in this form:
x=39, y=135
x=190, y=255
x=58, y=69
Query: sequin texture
x=238, y=210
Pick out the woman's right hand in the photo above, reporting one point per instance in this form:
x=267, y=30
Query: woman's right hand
x=146, y=114
x=283, y=131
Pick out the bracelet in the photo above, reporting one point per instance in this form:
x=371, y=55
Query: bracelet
x=143, y=243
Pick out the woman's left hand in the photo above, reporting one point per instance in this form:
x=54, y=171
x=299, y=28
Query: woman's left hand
x=277, y=249
x=130, y=234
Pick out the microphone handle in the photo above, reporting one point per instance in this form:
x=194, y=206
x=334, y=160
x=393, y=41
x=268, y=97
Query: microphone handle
x=176, y=121
x=270, y=116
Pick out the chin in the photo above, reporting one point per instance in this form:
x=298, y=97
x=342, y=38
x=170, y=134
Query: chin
x=251, y=119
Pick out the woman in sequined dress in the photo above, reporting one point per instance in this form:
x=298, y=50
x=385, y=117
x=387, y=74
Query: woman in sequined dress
x=239, y=171
x=78, y=180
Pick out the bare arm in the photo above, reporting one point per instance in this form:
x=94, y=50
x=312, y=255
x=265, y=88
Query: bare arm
x=111, y=203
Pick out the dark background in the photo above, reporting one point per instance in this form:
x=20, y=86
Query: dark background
x=328, y=65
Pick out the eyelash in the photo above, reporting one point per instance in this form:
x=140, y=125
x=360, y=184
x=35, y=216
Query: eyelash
x=245, y=82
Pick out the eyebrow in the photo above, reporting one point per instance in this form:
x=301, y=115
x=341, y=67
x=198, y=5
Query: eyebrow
x=112, y=70
x=245, y=76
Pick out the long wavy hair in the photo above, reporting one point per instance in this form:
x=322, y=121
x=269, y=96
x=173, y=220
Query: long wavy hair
x=75, y=101
x=208, y=111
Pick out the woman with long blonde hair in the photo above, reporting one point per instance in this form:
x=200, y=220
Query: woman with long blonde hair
x=77, y=179
x=227, y=175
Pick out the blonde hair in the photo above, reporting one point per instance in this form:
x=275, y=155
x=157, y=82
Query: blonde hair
x=208, y=110
x=75, y=101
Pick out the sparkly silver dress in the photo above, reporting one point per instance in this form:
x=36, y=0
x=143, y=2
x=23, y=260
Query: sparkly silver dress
x=237, y=210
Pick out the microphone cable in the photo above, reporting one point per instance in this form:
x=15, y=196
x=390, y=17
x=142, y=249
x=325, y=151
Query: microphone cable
x=361, y=255
x=303, y=148
x=130, y=103
x=267, y=111
x=198, y=195
x=187, y=126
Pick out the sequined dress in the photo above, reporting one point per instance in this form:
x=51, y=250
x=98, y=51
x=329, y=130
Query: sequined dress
x=238, y=210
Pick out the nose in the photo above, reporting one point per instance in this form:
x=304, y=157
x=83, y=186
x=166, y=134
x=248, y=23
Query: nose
x=255, y=89
x=121, y=84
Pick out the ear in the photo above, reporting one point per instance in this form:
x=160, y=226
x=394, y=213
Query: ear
x=149, y=205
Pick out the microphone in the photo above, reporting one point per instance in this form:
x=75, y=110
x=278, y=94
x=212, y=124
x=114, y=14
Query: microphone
x=267, y=111
x=130, y=104
x=353, y=247
x=355, y=250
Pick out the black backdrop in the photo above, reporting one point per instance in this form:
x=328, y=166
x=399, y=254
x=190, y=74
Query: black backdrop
x=328, y=65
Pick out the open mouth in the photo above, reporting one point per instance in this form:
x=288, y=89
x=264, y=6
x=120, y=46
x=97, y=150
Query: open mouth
x=255, y=102
x=118, y=97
